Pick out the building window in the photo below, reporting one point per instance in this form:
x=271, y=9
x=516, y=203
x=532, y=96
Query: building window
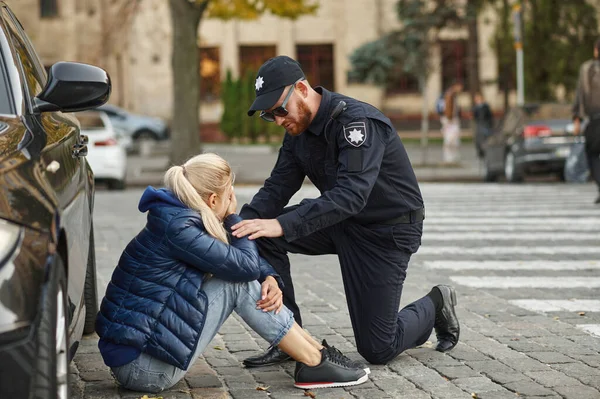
x=454, y=63
x=402, y=83
x=48, y=8
x=317, y=63
x=210, y=74
x=252, y=57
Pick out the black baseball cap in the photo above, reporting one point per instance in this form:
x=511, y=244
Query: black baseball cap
x=272, y=78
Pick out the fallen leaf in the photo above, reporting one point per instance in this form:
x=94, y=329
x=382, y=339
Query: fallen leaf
x=151, y=397
x=581, y=313
x=185, y=390
x=218, y=348
x=486, y=315
x=556, y=317
x=474, y=396
x=310, y=393
x=515, y=339
x=262, y=388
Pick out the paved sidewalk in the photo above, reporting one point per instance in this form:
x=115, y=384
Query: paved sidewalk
x=505, y=351
x=252, y=164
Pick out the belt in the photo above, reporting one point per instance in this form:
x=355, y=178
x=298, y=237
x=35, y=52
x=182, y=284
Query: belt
x=415, y=216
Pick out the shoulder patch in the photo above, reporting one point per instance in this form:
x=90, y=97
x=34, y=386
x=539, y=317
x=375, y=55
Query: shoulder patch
x=355, y=133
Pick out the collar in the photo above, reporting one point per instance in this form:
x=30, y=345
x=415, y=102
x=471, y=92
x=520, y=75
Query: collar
x=320, y=120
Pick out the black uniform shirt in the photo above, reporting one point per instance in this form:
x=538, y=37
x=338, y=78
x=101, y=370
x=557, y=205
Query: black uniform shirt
x=357, y=162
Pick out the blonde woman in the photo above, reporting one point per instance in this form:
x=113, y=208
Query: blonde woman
x=182, y=276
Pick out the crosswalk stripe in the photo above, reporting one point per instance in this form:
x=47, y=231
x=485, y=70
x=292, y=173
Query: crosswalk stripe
x=526, y=282
x=514, y=221
x=554, y=236
x=514, y=265
x=533, y=228
x=554, y=305
x=504, y=250
x=486, y=213
x=593, y=329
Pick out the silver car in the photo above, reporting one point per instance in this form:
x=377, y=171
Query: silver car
x=134, y=126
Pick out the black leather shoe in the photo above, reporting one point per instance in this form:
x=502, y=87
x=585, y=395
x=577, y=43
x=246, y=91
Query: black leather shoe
x=597, y=200
x=446, y=324
x=270, y=357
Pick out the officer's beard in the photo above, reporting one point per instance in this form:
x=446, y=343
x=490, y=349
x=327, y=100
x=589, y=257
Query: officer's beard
x=305, y=117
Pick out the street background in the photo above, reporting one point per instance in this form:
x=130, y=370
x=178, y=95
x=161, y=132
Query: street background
x=524, y=261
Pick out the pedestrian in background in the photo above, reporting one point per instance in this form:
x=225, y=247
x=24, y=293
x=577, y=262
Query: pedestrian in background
x=587, y=104
x=484, y=121
x=370, y=212
x=451, y=123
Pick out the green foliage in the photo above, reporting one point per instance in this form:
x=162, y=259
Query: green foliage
x=251, y=9
x=557, y=38
x=237, y=96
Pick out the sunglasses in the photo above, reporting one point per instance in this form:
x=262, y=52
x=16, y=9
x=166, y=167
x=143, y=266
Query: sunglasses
x=280, y=111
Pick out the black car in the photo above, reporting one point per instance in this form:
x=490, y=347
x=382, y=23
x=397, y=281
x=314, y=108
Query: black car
x=47, y=265
x=533, y=139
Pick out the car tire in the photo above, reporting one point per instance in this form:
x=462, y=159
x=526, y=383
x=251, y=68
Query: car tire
x=116, y=184
x=91, y=290
x=52, y=368
x=145, y=135
x=512, y=171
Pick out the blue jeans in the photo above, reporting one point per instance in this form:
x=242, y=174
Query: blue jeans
x=148, y=374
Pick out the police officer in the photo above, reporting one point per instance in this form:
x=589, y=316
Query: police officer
x=370, y=212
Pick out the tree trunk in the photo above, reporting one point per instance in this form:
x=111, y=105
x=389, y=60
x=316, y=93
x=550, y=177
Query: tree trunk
x=424, y=118
x=185, y=127
x=504, y=66
x=473, y=49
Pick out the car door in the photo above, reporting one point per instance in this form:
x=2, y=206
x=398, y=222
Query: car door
x=65, y=176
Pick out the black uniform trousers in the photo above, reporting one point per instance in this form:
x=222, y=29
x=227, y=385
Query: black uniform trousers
x=373, y=261
x=592, y=148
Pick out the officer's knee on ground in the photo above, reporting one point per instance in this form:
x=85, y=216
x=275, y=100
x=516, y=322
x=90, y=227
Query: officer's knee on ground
x=377, y=356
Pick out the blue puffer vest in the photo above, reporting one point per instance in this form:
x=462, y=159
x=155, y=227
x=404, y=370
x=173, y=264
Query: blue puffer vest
x=154, y=301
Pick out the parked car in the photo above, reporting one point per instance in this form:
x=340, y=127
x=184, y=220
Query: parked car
x=48, y=292
x=534, y=139
x=138, y=127
x=106, y=153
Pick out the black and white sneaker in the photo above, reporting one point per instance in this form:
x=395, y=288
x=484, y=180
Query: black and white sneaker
x=333, y=371
x=351, y=362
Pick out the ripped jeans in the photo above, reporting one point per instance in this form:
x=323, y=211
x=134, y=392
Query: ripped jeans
x=148, y=374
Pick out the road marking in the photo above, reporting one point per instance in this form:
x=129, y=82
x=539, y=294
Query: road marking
x=554, y=236
x=534, y=228
x=526, y=282
x=507, y=250
x=514, y=265
x=515, y=221
x=554, y=305
x=593, y=329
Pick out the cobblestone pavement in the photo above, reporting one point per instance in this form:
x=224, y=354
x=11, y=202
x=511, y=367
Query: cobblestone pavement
x=524, y=260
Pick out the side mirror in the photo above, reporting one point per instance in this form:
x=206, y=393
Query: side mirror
x=73, y=87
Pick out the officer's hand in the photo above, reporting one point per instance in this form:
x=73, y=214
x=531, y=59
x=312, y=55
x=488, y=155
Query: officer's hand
x=576, y=126
x=256, y=228
x=272, y=297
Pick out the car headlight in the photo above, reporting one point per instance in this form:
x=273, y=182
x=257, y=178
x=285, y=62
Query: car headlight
x=10, y=236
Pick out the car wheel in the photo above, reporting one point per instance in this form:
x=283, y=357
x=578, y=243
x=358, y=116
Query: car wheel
x=116, y=184
x=488, y=175
x=91, y=291
x=52, y=371
x=145, y=135
x=512, y=171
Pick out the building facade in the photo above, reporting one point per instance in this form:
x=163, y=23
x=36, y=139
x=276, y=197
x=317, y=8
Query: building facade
x=132, y=40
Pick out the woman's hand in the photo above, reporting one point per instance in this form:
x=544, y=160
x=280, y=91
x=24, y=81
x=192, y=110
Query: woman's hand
x=232, y=208
x=272, y=297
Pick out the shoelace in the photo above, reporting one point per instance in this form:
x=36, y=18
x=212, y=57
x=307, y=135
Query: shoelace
x=337, y=356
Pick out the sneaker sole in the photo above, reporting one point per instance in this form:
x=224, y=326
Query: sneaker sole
x=317, y=385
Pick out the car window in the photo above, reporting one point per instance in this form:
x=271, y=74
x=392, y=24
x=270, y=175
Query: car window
x=5, y=102
x=33, y=71
x=90, y=121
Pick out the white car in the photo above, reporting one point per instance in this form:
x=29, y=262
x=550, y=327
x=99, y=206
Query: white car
x=106, y=152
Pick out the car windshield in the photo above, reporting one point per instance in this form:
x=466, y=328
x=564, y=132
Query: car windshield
x=90, y=121
x=550, y=111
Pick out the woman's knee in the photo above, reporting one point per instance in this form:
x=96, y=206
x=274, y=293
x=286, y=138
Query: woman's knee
x=135, y=379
